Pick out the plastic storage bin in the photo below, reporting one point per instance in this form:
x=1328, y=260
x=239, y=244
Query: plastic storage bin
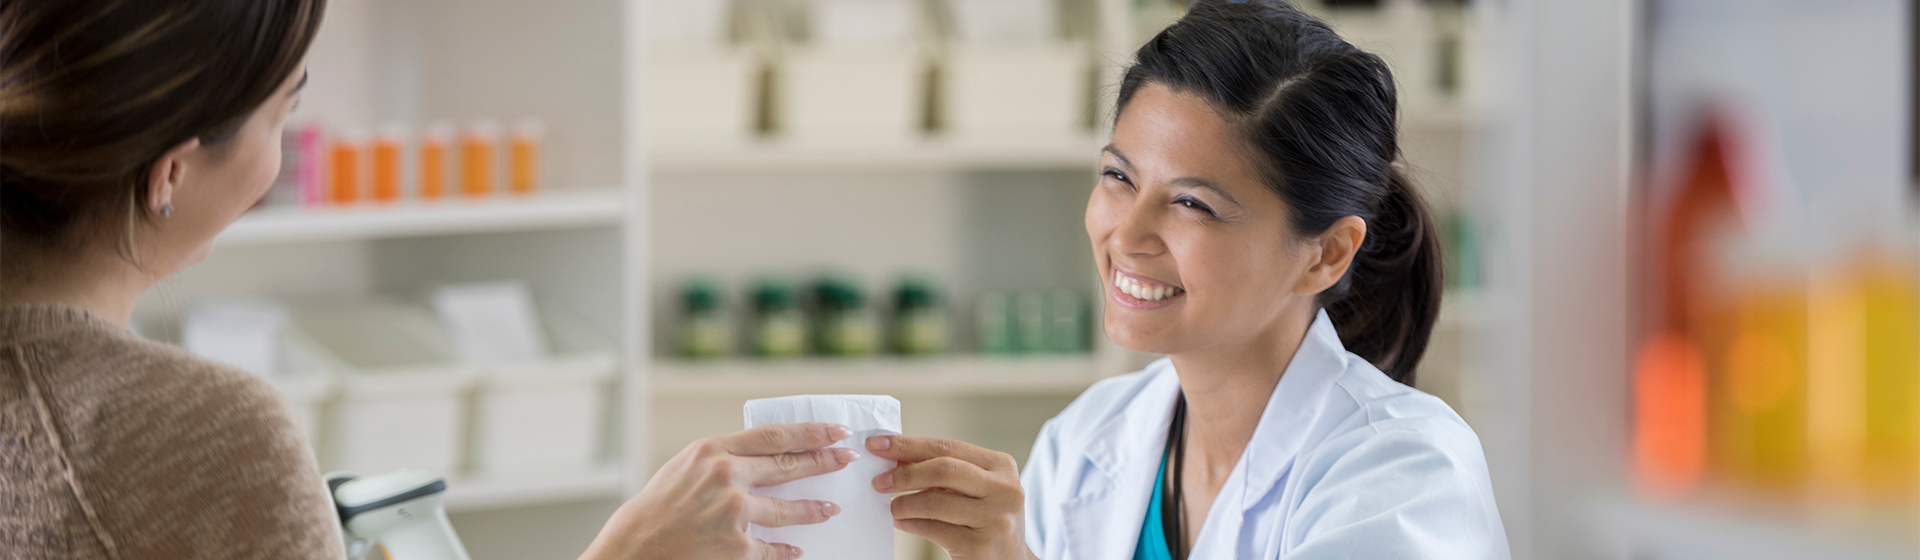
x=308, y=384
x=852, y=95
x=401, y=403
x=702, y=97
x=1033, y=90
x=547, y=417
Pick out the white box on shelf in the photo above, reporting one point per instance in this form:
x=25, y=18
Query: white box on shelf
x=307, y=381
x=702, y=96
x=865, y=23
x=1002, y=21
x=849, y=95
x=546, y=417
x=402, y=389
x=1017, y=90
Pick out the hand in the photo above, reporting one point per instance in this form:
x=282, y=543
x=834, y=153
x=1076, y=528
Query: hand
x=699, y=504
x=965, y=498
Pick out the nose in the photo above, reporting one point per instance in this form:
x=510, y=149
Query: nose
x=1138, y=233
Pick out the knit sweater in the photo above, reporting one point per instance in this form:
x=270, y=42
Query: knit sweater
x=114, y=447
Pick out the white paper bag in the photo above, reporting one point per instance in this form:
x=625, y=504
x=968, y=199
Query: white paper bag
x=864, y=528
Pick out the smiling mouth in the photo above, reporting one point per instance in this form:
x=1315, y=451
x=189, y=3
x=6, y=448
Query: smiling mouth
x=1144, y=290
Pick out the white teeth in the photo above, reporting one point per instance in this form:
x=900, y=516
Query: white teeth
x=1141, y=291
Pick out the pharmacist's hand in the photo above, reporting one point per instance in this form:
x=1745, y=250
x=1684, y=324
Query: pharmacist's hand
x=699, y=504
x=965, y=498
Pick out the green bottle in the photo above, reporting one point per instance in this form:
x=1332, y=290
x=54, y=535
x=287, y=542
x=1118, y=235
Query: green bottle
x=1067, y=318
x=703, y=321
x=994, y=318
x=779, y=327
x=843, y=323
x=919, y=325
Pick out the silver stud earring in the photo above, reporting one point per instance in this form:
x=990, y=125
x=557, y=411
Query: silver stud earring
x=166, y=211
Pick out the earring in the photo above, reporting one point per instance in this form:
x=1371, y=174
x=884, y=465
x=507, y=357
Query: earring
x=166, y=211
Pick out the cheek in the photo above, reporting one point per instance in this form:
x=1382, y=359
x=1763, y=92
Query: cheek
x=1103, y=215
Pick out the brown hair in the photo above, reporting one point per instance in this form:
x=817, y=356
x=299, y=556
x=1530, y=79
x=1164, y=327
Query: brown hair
x=93, y=92
x=1321, y=114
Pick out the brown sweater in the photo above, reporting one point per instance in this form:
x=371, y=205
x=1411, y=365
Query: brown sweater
x=114, y=447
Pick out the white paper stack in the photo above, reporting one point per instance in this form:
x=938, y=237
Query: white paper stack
x=864, y=528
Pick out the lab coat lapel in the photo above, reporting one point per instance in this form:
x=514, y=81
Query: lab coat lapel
x=1284, y=426
x=1104, y=516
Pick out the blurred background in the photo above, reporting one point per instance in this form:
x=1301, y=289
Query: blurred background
x=541, y=246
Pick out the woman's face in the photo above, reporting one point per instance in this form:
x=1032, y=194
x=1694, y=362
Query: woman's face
x=1196, y=251
x=214, y=185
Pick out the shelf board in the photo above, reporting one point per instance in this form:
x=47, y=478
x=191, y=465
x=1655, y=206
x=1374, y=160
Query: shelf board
x=1063, y=153
x=477, y=493
x=1707, y=533
x=552, y=210
x=934, y=376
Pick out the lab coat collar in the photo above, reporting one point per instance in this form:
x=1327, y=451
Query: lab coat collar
x=1296, y=405
x=1127, y=446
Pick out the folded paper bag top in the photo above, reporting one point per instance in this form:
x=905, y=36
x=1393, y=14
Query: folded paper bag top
x=864, y=528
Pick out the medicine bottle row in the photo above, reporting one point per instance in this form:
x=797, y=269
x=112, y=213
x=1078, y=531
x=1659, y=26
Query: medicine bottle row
x=324, y=166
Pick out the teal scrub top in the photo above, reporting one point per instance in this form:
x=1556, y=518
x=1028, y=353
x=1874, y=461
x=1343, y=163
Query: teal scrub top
x=1153, y=535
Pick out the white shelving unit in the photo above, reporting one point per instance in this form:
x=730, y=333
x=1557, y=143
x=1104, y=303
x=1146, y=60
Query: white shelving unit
x=547, y=211
x=954, y=376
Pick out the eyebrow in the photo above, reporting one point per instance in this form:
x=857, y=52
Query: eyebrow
x=1188, y=182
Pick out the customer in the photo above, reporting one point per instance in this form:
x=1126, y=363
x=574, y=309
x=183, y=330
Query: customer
x=131, y=133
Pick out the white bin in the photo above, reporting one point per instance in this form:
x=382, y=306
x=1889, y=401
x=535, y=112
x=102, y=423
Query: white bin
x=548, y=417
x=849, y=95
x=308, y=383
x=1034, y=90
x=705, y=97
x=401, y=403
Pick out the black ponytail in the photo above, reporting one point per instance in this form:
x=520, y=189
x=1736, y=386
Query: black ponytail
x=1323, y=113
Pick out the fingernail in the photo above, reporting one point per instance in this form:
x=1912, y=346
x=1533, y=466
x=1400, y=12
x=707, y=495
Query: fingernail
x=844, y=455
x=829, y=509
x=884, y=482
x=840, y=432
x=879, y=443
x=796, y=551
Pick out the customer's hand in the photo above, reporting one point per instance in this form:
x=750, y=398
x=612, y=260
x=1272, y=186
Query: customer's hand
x=965, y=498
x=699, y=504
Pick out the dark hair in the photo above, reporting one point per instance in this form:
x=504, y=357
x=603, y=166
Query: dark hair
x=1323, y=115
x=93, y=92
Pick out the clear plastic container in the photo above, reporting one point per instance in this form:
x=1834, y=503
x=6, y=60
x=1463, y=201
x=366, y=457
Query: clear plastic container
x=549, y=416
x=402, y=388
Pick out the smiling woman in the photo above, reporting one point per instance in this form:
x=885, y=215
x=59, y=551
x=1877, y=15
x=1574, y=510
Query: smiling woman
x=1250, y=223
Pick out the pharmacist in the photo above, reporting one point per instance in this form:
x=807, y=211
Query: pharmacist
x=1250, y=223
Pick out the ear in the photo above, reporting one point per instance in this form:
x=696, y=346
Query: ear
x=1332, y=253
x=167, y=174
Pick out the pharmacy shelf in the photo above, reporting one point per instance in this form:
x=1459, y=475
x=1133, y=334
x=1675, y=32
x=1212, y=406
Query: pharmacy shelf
x=546, y=211
x=476, y=493
x=1705, y=533
x=935, y=376
x=1002, y=154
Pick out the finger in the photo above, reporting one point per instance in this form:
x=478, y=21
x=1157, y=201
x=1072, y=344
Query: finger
x=788, y=467
x=783, y=438
x=943, y=472
x=947, y=535
x=774, y=512
x=763, y=550
x=939, y=506
x=917, y=449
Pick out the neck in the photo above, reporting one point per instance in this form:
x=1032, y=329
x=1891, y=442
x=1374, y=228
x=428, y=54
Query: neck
x=96, y=279
x=1227, y=389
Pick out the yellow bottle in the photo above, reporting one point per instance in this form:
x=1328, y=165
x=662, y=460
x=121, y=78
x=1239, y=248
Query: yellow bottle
x=524, y=163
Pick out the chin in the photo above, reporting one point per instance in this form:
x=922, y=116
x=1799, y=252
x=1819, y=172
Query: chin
x=1134, y=334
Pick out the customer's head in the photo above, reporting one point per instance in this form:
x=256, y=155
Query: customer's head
x=1252, y=179
x=142, y=127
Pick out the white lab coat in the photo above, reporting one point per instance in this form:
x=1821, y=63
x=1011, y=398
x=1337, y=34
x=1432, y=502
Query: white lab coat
x=1345, y=463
